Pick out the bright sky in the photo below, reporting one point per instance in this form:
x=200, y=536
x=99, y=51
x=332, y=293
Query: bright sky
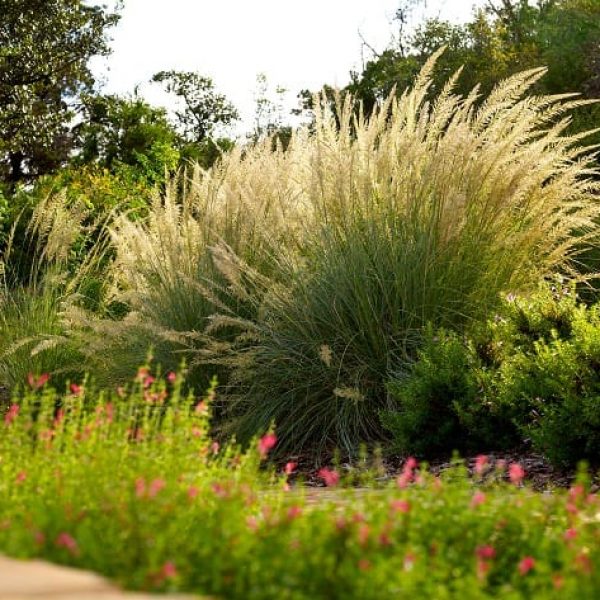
x=296, y=44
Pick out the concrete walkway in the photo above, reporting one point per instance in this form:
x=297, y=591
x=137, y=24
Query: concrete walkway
x=27, y=580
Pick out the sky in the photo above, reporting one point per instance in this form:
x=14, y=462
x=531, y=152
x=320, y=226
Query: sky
x=297, y=45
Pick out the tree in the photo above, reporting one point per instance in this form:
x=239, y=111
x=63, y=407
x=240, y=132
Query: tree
x=45, y=48
x=203, y=107
x=127, y=134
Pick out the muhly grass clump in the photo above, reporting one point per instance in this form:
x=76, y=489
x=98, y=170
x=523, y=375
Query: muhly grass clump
x=421, y=214
x=131, y=484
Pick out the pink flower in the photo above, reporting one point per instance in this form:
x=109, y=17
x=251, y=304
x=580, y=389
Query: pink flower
x=478, y=498
x=331, y=478
x=266, y=444
x=64, y=540
x=486, y=552
x=156, y=486
x=201, y=407
x=214, y=447
x=407, y=474
x=570, y=534
x=169, y=571
x=11, y=414
x=294, y=512
x=409, y=561
x=363, y=534
x=481, y=463
x=364, y=564
x=527, y=564
x=172, y=377
x=76, y=390
x=410, y=464
x=193, y=492
x=37, y=382
x=21, y=477
x=290, y=468
x=252, y=522
x=516, y=473
x=400, y=506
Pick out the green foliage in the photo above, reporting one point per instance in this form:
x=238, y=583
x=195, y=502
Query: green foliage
x=45, y=47
x=442, y=402
x=115, y=482
x=534, y=369
x=203, y=107
x=129, y=138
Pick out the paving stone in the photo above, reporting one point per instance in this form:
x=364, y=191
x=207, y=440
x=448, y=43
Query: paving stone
x=28, y=580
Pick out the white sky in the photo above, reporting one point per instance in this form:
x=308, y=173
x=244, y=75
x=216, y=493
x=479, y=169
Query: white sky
x=301, y=44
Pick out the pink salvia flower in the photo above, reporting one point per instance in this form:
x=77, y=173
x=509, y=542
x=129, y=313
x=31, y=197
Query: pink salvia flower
x=516, y=473
x=172, y=377
x=266, y=444
x=156, y=486
x=570, y=534
x=37, y=382
x=411, y=464
x=478, y=498
x=526, y=565
x=169, y=571
x=64, y=540
x=290, y=468
x=481, y=463
x=76, y=390
x=11, y=414
x=331, y=478
x=400, y=506
x=486, y=552
x=140, y=487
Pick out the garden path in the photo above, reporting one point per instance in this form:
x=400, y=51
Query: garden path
x=29, y=580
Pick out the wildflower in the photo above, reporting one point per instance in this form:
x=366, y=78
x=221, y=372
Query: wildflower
x=481, y=463
x=214, y=447
x=21, y=477
x=76, y=390
x=384, y=539
x=193, y=492
x=36, y=383
x=570, y=534
x=156, y=486
x=400, y=506
x=252, y=523
x=290, y=468
x=172, y=377
x=483, y=567
x=486, y=552
x=363, y=534
x=364, y=564
x=11, y=414
x=558, y=581
x=583, y=562
x=266, y=444
x=478, y=498
x=331, y=478
x=516, y=473
x=169, y=571
x=219, y=490
x=407, y=474
x=527, y=564
x=294, y=512
x=64, y=540
x=201, y=407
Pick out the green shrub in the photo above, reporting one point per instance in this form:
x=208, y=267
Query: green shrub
x=534, y=368
x=443, y=404
x=423, y=214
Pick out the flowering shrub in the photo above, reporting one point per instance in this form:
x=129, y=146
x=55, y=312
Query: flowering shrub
x=131, y=485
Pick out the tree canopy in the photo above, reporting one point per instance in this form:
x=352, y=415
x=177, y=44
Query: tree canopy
x=45, y=48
